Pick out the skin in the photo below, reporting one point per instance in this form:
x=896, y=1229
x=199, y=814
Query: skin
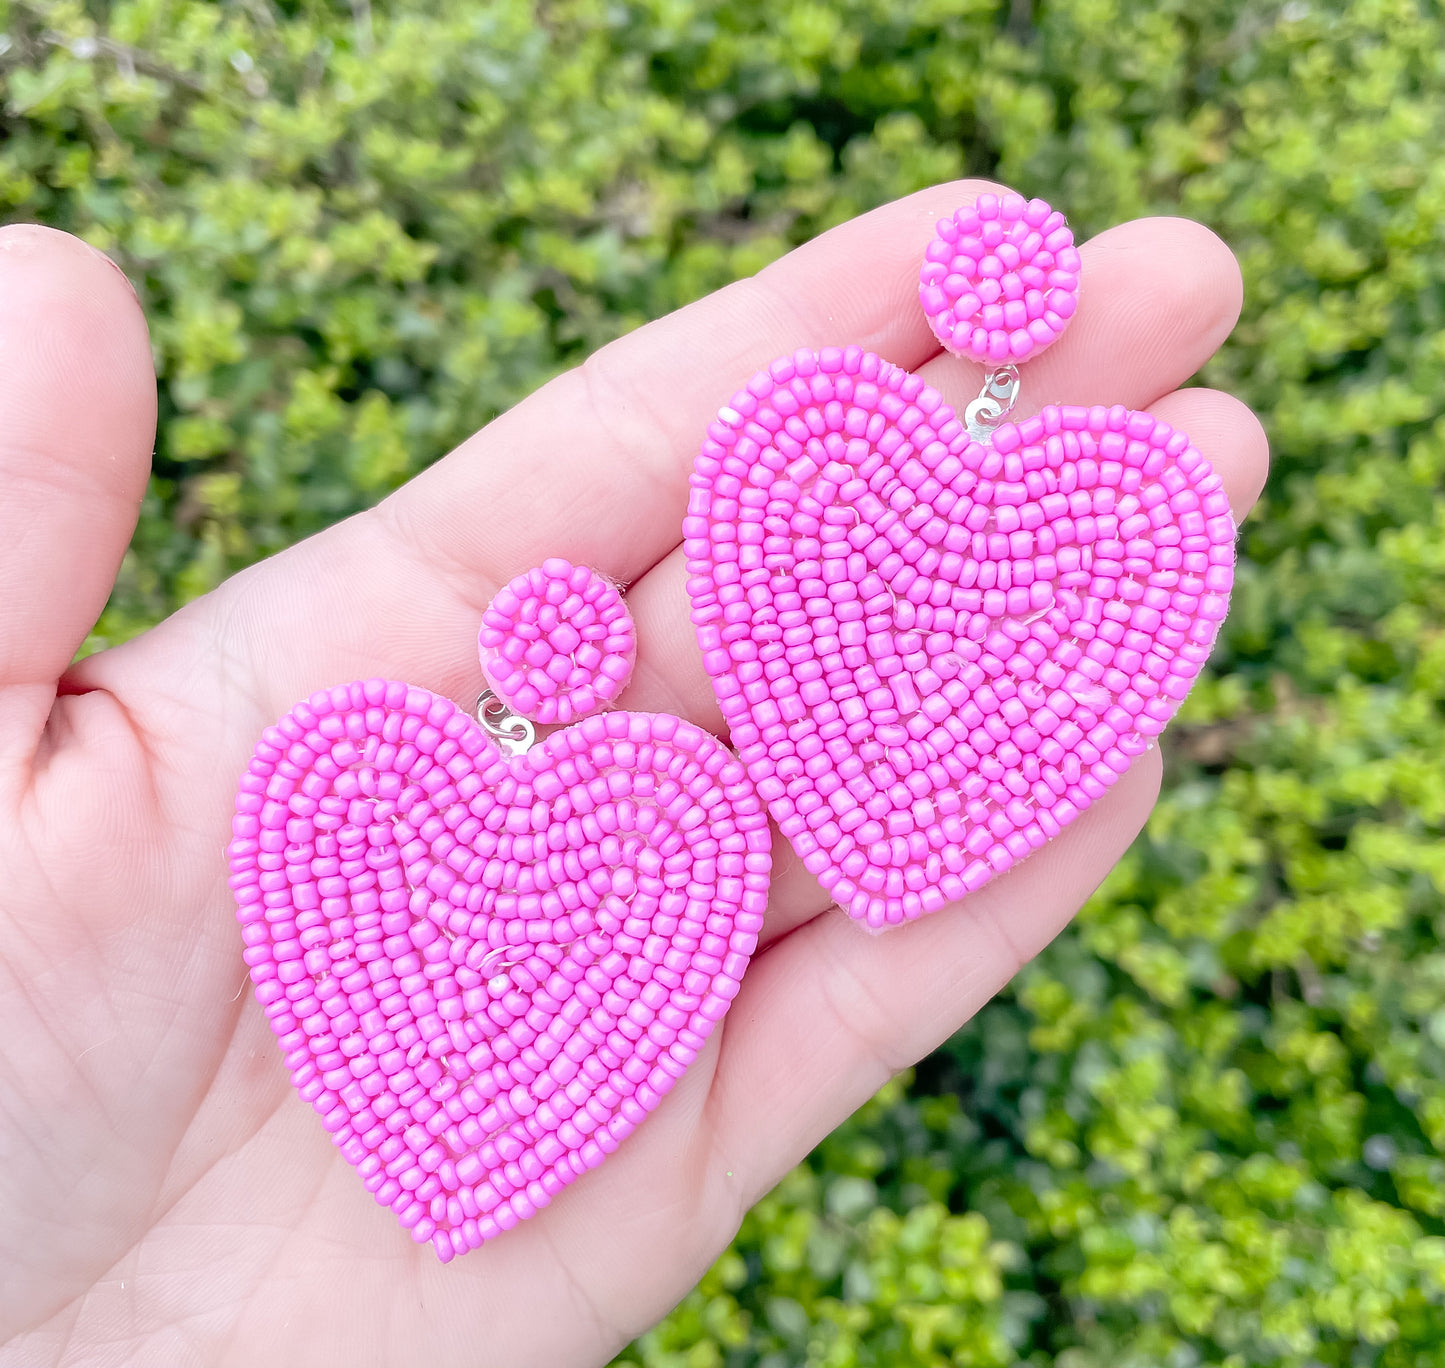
x=167, y=1198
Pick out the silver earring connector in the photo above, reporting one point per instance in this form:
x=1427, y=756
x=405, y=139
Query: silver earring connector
x=514, y=735
x=994, y=403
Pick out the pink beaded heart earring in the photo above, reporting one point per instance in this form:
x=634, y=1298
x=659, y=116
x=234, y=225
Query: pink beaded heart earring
x=937, y=641
x=486, y=960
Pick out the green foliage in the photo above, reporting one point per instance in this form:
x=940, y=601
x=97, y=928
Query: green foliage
x=1207, y=1126
x=825, y=1273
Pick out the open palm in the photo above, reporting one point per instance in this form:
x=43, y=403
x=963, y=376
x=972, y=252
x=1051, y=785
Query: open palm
x=166, y=1198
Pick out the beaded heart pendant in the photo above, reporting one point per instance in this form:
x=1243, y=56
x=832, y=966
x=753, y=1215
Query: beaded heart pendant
x=487, y=960
x=937, y=640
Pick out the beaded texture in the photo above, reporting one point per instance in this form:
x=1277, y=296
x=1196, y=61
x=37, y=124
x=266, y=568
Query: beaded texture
x=557, y=642
x=1000, y=281
x=485, y=971
x=933, y=653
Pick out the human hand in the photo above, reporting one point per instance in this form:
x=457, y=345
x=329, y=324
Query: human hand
x=167, y=1199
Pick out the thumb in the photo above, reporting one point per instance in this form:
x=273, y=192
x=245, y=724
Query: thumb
x=77, y=422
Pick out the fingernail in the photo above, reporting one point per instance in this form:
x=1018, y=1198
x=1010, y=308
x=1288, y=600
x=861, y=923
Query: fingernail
x=117, y=268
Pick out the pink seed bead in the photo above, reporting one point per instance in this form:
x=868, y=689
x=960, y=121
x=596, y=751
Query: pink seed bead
x=1019, y=252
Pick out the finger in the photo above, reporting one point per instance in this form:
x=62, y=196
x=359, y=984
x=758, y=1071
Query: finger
x=593, y=467
x=827, y=1014
x=1160, y=296
x=77, y=420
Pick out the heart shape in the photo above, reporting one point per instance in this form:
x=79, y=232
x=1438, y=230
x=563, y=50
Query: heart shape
x=485, y=971
x=934, y=653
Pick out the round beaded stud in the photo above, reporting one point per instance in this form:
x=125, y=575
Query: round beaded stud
x=937, y=639
x=487, y=960
x=1001, y=280
x=557, y=642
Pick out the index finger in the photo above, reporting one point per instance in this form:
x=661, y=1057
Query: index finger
x=595, y=465
x=592, y=467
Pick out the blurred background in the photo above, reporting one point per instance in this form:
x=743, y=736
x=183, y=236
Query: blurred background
x=1206, y=1127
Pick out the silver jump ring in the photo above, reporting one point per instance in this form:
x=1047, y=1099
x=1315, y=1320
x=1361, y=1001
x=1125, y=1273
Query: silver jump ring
x=513, y=734
x=994, y=403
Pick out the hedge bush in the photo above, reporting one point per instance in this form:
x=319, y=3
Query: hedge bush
x=1207, y=1126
